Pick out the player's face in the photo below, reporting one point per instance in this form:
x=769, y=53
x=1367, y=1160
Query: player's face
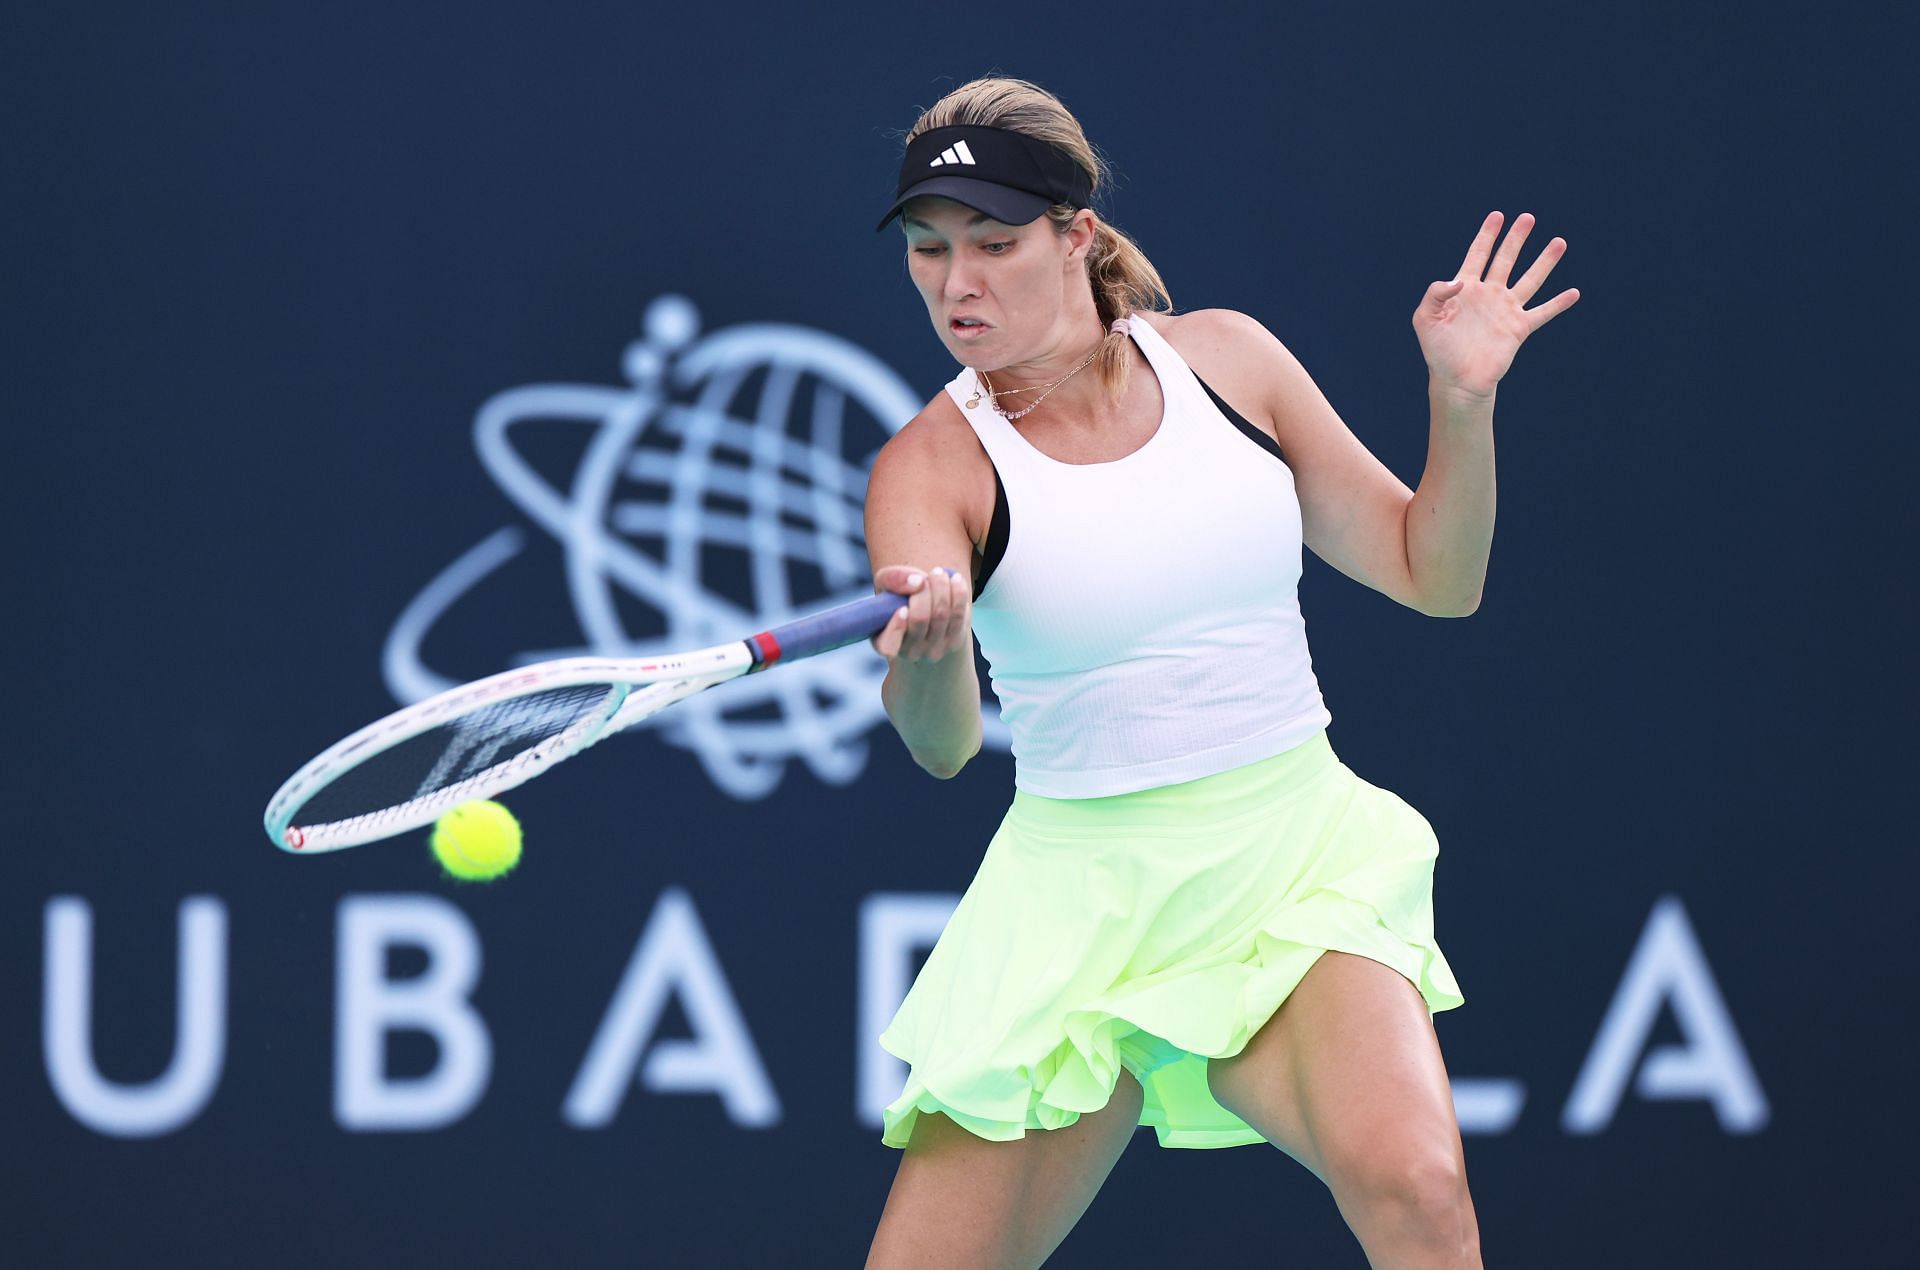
x=994, y=292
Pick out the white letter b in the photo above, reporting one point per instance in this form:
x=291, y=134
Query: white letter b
x=368, y=1006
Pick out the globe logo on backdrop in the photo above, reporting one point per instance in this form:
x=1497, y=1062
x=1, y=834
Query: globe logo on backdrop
x=719, y=492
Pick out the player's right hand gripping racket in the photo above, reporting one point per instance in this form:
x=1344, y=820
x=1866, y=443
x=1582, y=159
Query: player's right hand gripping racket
x=483, y=738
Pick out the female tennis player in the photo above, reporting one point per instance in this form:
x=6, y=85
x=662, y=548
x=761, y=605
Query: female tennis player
x=1193, y=916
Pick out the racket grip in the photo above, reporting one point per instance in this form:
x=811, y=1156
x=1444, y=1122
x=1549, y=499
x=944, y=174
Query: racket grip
x=824, y=632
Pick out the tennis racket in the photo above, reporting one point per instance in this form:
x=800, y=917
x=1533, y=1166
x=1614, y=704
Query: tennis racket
x=486, y=737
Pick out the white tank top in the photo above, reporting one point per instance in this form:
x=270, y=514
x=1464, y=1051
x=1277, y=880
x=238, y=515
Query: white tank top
x=1143, y=627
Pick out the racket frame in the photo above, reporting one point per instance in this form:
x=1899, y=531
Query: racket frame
x=637, y=688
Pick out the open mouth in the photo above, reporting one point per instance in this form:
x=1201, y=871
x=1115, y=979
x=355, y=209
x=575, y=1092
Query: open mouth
x=967, y=328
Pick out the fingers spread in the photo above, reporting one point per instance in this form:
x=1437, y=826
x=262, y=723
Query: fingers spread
x=1510, y=249
x=1476, y=262
x=1542, y=266
x=1542, y=314
x=1440, y=292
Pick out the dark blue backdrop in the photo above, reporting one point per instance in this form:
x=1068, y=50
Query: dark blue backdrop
x=263, y=271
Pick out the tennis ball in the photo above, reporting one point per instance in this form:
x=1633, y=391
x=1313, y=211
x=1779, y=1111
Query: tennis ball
x=477, y=842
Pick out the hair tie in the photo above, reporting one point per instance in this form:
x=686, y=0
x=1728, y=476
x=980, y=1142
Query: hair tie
x=1120, y=326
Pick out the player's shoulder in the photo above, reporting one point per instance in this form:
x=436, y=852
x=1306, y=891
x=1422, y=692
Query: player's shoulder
x=1226, y=332
x=932, y=444
x=1235, y=354
x=931, y=472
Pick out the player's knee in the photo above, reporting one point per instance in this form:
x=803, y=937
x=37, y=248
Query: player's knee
x=1413, y=1192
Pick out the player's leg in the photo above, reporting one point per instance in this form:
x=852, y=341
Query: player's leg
x=1347, y=1078
x=962, y=1201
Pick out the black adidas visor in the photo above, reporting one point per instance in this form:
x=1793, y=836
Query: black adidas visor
x=1008, y=175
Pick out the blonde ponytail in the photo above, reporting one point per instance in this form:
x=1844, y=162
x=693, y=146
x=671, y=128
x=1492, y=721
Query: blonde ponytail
x=1123, y=280
x=1119, y=273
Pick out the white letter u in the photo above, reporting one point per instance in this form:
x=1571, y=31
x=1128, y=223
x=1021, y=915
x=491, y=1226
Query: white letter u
x=200, y=1033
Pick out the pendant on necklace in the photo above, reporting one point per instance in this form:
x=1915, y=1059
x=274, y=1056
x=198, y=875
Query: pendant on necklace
x=973, y=400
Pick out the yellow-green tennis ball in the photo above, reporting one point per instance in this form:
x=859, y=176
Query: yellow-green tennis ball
x=476, y=842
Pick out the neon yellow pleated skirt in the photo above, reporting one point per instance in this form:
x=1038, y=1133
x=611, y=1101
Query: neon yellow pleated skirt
x=1154, y=931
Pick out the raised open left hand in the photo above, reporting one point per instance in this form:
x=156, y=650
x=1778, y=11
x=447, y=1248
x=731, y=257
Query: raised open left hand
x=1470, y=327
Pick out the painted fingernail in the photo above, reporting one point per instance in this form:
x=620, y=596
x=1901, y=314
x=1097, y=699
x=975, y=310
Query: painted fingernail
x=915, y=579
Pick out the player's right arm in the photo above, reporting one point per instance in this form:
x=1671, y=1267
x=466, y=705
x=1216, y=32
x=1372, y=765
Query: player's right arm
x=918, y=540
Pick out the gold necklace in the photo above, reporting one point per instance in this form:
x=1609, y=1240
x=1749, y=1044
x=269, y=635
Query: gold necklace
x=981, y=376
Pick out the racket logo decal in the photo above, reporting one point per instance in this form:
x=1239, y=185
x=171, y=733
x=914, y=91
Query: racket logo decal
x=296, y=837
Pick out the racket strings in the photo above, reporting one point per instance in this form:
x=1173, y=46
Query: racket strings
x=424, y=767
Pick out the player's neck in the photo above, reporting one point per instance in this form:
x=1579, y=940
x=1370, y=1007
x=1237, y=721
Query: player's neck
x=1060, y=373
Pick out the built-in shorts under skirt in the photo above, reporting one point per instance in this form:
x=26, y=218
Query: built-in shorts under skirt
x=1154, y=931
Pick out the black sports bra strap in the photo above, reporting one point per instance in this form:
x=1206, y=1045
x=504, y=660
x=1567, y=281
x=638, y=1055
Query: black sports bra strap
x=996, y=544
x=1239, y=421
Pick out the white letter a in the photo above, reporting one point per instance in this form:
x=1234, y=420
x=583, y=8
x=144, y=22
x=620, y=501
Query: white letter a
x=673, y=956
x=1668, y=968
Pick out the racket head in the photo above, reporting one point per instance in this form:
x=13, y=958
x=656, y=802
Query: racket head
x=468, y=743
x=486, y=737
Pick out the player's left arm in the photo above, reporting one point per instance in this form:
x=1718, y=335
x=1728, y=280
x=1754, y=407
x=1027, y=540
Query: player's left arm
x=1426, y=548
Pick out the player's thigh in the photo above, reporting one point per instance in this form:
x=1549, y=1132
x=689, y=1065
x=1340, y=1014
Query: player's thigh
x=963, y=1201
x=1348, y=1079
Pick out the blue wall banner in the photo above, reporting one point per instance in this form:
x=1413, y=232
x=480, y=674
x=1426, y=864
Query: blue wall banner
x=353, y=355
